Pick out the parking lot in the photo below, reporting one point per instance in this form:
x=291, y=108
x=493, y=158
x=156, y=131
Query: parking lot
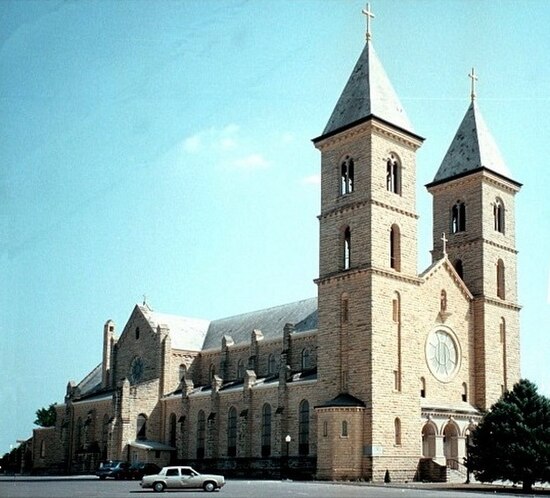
x=89, y=487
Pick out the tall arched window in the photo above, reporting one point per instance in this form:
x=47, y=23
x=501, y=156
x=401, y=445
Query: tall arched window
x=501, y=282
x=443, y=300
x=104, y=434
x=344, y=308
x=183, y=371
x=422, y=387
x=344, y=428
x=303, y=428
x=347, y=174
x=498, y=215
x=305, y=359
x=393, y=175
x=396, y=307
x=42, y=449
x=271, y=364
x=266, y=430
x=173, y=426
x=232, y=432
x=201, y=434
x=347, y=248
x=458, y=217
x=464, y=392
x=395, y=248
x=141, y=426
x=78, y=435
x=397, y=428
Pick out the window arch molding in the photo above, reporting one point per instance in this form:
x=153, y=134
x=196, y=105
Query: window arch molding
x=393, y=173
x=499, y=215
x=347, y=175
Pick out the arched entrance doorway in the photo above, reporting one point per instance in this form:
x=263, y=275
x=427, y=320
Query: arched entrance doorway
x=428, y=441
x=450, y=444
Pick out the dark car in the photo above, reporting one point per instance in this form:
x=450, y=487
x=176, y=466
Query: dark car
x=139, y=469
x=115, y=469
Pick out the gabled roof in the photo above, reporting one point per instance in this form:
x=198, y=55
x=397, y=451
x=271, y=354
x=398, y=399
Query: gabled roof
x=185, y=333
x=368, y=93
x=91, y=383
x=445, y=263
x=271, y=321
x=472, y=149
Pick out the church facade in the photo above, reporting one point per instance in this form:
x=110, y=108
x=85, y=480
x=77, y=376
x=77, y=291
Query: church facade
x=386, y=371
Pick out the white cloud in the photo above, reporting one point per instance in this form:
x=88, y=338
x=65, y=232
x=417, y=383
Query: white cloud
x=312, y=180
x=192, y=144
x=251, y=162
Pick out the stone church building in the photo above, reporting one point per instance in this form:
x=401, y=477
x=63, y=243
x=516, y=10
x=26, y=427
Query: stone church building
x=386, y=370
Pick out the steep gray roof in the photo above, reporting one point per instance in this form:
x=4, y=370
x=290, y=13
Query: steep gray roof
x=303, y=314
x=92, y=381
x=472, y=148
x=367, y=93
x=185, y=333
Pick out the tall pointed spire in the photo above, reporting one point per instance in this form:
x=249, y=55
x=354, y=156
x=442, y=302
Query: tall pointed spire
x=473, y=146
x=367, y=94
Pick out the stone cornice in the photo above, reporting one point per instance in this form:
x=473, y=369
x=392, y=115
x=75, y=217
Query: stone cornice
x=477, y=240
x=473, y=176
x=359, y=204
x=499, y=302
x=372, y=125
x=352, y=272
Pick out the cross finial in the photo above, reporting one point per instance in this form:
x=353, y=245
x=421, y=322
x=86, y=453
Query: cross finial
x=369, y=15
x=473, y=77
x=445, y=240
x=144, y=300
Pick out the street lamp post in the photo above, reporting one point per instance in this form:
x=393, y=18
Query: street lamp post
x=287, y=459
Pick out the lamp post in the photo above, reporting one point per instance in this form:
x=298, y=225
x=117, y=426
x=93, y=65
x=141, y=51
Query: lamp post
x=287, y=466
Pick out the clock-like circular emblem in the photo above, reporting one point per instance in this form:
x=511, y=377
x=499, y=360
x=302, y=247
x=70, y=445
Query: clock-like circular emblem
x=136, y=370
x=442, y=354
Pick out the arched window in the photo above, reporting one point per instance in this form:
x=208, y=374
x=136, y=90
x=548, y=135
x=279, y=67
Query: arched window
x=501, y=288
x=266, y=430
x=201, y=433
x=240, y=369
x=271, y=364
x=305, y=359
x=464, y=392
x=422, y=387
x=396, y=307
x=137, y=333
x=458, y=217
x=347, y=248
x=141, y=426
x=42, y=449
x=325, y=428
x=78, y=435
x=347, y=173
x=459, y=268
x=397, y=427
x=303, y=428
x=172, y=435
x=393, y=175
x=498, y=215
x=395, y=248
x=344, y=428
x=232, y=432
x=344, y=308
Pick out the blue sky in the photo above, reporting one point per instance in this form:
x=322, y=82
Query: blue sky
x=163, y=148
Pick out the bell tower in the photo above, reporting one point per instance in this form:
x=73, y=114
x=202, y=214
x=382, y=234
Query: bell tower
x=474, y=205
x=367, y=256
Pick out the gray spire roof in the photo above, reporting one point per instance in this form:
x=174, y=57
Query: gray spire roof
x=472, y=148
x=368, y=93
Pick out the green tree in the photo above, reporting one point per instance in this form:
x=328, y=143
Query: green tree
x=46, y=417
x=512, y=442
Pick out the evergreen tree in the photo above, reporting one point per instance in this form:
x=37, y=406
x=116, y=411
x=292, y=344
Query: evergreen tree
x=46, y=417
x=512, y=442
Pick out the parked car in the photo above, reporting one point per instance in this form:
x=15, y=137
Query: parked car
x=139, y=469
x=182, y=477
x=116, y=469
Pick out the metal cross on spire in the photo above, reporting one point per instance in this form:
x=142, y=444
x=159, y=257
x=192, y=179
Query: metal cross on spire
x=445, y=240
x=473, y=77
x=369, y=15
